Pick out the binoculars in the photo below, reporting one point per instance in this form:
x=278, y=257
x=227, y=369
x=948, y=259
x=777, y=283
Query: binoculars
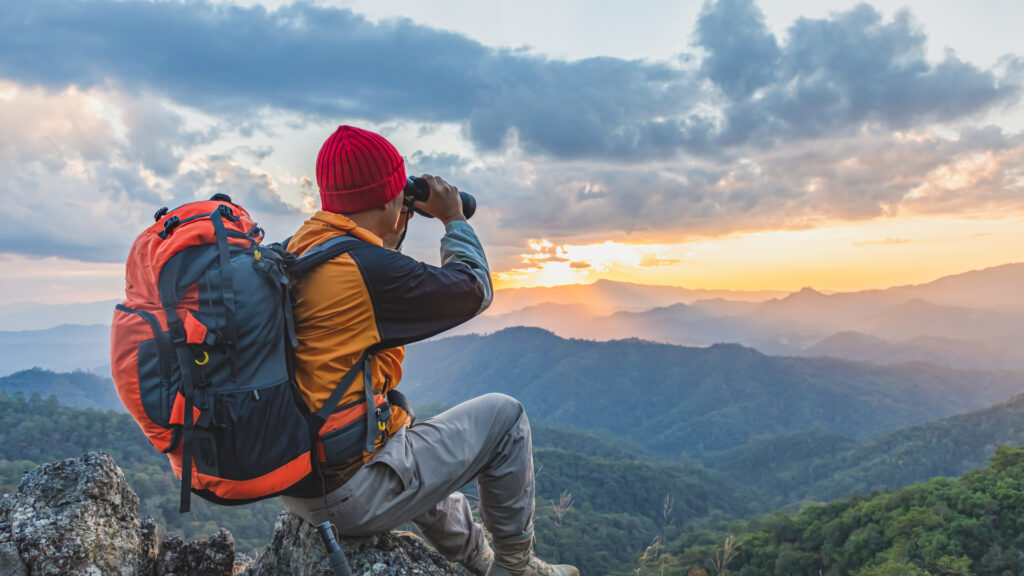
x=417, y=190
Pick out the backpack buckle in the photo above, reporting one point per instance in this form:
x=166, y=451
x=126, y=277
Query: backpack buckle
x=160, y=214
x=169, y=225
x=225, y=212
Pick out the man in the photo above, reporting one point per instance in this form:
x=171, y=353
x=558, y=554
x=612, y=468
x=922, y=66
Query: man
x=375, y=298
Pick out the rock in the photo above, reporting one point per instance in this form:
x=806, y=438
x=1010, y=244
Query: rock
x=80, y=517
x=214, y=556
x=150, y=545
x=296, y=549
x=76, y=516
x=10, y=561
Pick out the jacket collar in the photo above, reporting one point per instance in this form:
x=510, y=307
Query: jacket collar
x=344, y=224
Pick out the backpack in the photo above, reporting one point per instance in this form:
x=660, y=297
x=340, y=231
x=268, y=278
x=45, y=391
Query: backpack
x=201, y=355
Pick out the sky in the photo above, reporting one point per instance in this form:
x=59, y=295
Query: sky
x=708, y=144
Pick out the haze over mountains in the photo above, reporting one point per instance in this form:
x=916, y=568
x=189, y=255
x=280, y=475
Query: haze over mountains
x=36, y=316
x=969, y=320
x=63, y=348
x=973, y=320
x=609, y=296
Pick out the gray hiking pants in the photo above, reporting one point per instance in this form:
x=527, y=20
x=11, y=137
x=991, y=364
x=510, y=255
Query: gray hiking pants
x=416, y=475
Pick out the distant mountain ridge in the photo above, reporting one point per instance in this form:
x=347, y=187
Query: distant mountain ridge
x=676, y=400
x=997, y=287
x=63, y=348
x=612, y=296
x=38, y=316
x=955, y=307
x=987, y=353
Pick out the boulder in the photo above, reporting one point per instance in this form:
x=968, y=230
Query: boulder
x=75, y=516
x=79, y=517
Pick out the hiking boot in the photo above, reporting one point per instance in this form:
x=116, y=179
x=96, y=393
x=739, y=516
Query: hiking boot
x=514, y=557
x=481, y=565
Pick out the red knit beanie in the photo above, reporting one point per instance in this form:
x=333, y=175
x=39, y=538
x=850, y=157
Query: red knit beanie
x=358, y=170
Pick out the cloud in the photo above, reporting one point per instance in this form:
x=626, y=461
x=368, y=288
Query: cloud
x=871, y=174
x=886, y=242
x=82, y=172
x=830, y=75
x=834, y=74
x=650, y=260
x=742, y=55
x=831, y=122
x=580, y=265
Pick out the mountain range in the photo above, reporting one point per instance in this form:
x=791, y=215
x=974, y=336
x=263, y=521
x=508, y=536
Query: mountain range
x=983, y=310
x=986, y=353
x=969, y=320
x=649, y=439
x=37, y=316
x=63, y=348
x=610, y=296
x=676, y=400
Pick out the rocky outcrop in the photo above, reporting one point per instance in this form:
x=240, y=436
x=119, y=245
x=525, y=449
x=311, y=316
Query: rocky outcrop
x=79, y=516
x=76, y=516
x=296, y=549
x=214, y=555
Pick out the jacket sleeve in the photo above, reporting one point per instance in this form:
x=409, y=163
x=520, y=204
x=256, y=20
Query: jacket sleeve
x=412, y=300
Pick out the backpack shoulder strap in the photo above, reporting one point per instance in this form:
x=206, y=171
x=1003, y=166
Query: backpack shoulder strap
x=323, y=252
x=311, y=259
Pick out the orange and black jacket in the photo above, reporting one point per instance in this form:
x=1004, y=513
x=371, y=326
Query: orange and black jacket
x=377, y=299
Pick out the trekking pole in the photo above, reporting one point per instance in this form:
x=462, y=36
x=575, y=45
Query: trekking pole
x=339, y=565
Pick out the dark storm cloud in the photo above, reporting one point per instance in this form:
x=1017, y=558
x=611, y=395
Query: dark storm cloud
x=832, y=74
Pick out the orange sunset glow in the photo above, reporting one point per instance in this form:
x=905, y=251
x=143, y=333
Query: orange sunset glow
x=843, y=257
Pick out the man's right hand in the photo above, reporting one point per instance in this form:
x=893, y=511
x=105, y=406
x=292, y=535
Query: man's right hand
x=445, y=204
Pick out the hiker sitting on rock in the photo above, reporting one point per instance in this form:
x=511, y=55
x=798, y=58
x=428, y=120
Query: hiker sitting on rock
x=361, y=308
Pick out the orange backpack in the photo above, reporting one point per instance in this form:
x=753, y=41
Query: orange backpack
x=201, y=354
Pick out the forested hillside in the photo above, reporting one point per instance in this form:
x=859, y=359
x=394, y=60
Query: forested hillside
x=604, y=494
x=816, y=465
x=78, y=389
x=971, y=526
x=692, y=401
x=36, y=430
x=618, y=504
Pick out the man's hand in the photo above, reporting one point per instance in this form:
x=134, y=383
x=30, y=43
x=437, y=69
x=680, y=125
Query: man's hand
x=444, y=203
